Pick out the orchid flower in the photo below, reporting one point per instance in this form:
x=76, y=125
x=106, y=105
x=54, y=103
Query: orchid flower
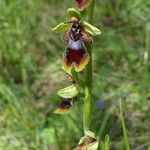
x=76, y=54
x=64, y=106
x=82, y=4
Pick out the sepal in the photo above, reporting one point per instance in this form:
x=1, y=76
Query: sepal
x=69, y=92
x=91, y=29
x=72, y=12
x=62, y=27
x=88, y=142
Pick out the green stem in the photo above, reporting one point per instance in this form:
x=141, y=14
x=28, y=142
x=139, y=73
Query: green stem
x=87, y=109
x=89, y=66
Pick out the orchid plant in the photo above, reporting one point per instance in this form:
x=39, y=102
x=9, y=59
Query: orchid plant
x=77, y=57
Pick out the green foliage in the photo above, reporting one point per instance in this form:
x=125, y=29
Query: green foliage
x=126, y=141
x=104, y=145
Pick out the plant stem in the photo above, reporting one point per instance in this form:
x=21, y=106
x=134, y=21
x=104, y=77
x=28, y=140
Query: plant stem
x=87, y=109
x=89, y=66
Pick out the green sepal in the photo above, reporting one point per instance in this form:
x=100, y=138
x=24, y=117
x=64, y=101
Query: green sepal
x=91, y=29
x=91, y=134
x=89, y=141
x=94, y=146
x=69, y=92
x=72, y=12
x=62, y=27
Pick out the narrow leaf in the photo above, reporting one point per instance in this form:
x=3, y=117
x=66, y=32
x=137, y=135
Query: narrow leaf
x=107, y=142
x=100, y=145
x=124, y=128
x=91, y=29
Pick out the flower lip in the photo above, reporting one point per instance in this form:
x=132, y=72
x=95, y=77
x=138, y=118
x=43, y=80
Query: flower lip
x=75, y=56
x=65, y=104
x=76, y=45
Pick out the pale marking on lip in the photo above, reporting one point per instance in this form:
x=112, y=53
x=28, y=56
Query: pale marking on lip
x=76, y=44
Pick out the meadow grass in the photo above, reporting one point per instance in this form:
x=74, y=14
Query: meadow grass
x=30, y=75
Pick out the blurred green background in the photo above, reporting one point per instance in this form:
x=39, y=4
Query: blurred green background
x=30, y=75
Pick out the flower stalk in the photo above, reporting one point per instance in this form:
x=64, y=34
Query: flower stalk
x=77, y=56
x=87, y=109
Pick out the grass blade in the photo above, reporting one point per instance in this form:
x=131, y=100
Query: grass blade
x=126, y=141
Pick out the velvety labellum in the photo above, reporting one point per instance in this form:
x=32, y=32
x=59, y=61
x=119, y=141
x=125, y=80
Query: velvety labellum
x=76, y=56
x=64, y=106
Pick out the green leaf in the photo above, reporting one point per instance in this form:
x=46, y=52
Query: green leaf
x=72, y=12
x=69, y=92
x=48, y=135
x=106, y=144
x=100, y=145
x=91, y=29
x=126, y=141
x=62, y=27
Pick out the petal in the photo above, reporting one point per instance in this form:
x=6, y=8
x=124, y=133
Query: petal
x=64, y=106
x=86, y=37
x=75, y=56
x=82, y=4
